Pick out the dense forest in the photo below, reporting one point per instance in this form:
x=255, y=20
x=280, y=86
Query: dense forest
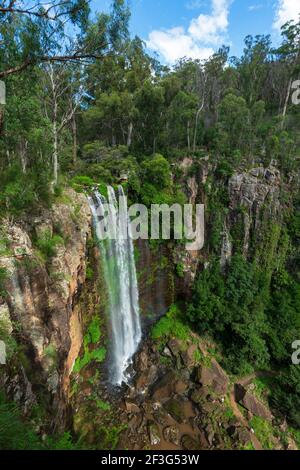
x=86, y=103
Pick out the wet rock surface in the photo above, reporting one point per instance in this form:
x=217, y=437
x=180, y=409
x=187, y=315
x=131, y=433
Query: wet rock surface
x=176, y=411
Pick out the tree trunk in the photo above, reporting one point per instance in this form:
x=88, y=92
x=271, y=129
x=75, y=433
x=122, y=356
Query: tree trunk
x=196, y=128
x=286, y=102
x=55, y=153
x=55, y=144
x=23, y=154
x=74, y=132
x=129, y=136
x=154, y=145
x=188, y=136
x=113, y=139
x=1, y=121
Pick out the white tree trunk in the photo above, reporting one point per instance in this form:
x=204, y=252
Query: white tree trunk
x=196, y=127
x=55, y=148
x=129, y=136
x=188, y=136
x=286, y=102
x=74, y=132
x=23, y=154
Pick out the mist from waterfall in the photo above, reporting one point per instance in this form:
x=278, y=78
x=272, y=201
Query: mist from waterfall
x=121, y=280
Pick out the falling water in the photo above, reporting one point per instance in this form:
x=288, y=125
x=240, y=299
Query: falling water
x=120, y=275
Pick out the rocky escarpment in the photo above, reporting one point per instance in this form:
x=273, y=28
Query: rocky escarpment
x=253, y=202
x=44, y=261
x=239, y=210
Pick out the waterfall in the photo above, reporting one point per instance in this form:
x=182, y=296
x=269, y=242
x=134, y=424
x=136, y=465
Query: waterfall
x=120, y=276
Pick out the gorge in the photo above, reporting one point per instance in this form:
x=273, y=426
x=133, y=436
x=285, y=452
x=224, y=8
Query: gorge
x=111, y=343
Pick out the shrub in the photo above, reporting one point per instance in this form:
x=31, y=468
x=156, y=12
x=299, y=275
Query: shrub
x=170, y=325
x=82, y=183
x=92, y=337
x=48, y=243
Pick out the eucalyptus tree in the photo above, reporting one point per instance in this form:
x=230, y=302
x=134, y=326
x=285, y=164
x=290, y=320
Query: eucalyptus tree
x=289, y=53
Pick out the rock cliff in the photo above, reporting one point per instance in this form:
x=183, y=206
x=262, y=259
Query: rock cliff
x=44, y=262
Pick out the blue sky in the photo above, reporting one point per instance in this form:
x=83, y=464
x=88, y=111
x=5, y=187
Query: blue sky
x=195, y=28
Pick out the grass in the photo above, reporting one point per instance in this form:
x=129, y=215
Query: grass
x=48, y=244
x=102, y=405
x=262, y=387
x=295, y=433
x=19, y=433
x=263, y=431
x=109, y=436
x=228, y=412
x=170, y=326
x=248, y=446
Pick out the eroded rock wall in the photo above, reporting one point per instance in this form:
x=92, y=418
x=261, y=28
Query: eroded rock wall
x=39, y=305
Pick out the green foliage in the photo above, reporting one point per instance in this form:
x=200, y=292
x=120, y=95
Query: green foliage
x=228, y=307
x=224, y=169
x=286, y=396
x=63, y=442
x=18, y=432
x=48, y=244
x=93, y=332
x=3, y=278
x=157, y=171
x=21, y=192
x=170, y=326
x=91, y=338
x=82, y=183
x=109, y=436
x=15, y=433
x=263, y=431
x=180, y=270
x=102, y=405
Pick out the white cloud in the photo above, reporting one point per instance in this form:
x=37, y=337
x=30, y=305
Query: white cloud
x=207, y=28
x=204, y=34
x=175, y=43
x=286, y=10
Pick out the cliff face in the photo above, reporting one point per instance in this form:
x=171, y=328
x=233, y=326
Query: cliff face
x=239, y=209
x=39, y=305
x=47, y=303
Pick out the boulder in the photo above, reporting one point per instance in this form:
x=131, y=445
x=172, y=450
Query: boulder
x=214, y=377
x=180, y=387
x=243, y=436
x=134, y=424
x=166, y=352
x=153, y=433
x=132, y=407
x=251, y=403
x=189, y=443
x=146, y=378
x=175, y=407
x=162, y=417
x=164, y=387
x=189, y=356
x=199, y=395
x=209, y=434
x=142, y=362
x=172, y=434
x=175, y=346
x=291, y=445
x=203, y=442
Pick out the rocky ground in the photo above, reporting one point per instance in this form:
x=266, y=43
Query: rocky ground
x=180, y=398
